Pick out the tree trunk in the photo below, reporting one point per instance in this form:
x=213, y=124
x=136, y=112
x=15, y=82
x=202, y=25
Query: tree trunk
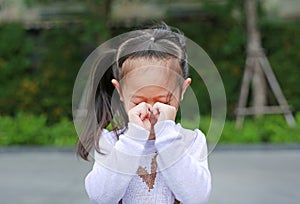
x=254, y=49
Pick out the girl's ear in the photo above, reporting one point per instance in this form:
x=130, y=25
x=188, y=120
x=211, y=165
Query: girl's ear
x=186, y=83
x=117, y=86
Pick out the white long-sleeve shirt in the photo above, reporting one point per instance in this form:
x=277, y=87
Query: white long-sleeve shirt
x=173, y=166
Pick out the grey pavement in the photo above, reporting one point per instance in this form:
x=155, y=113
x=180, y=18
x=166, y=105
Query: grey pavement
x=241, y=175
x=255, y=177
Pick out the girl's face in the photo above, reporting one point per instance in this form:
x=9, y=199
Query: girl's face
x=151, y=81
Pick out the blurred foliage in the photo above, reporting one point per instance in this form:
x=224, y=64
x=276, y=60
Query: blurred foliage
x=37, y=73
x=15, y=64
x=282, y=46
x=223, y=37
x=266, y=129
x=29, y=129
x=38, y=69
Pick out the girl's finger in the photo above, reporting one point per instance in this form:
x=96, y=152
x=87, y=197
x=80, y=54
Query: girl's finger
x=149, y=107
x=149, y=110
x=143, y=110
x=157, y=106
x=155, y=111
x=164, y=111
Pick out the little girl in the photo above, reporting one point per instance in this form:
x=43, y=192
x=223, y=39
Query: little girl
x=146, y=158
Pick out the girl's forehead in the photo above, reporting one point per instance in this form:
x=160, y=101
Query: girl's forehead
x=154, y=92
x=154, y=73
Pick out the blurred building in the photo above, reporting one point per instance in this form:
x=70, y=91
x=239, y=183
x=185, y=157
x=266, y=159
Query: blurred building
x=40, y=15
x=288, y=9
x=125, y=12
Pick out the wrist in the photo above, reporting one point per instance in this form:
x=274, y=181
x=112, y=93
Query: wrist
x=136, y=132
x=163, y=127
x=133, y=140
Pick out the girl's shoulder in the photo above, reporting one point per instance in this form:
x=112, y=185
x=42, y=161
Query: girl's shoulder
x=197, y=134
x=198, y=139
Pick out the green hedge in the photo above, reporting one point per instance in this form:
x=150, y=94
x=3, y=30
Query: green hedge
x=38, y=71
x=28, y=129
x=266, y=129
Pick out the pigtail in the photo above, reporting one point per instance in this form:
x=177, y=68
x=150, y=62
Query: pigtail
x=99, y=96
x=103, y=96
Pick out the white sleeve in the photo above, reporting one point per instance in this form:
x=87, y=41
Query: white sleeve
x=188, y=177
x=106, y=185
